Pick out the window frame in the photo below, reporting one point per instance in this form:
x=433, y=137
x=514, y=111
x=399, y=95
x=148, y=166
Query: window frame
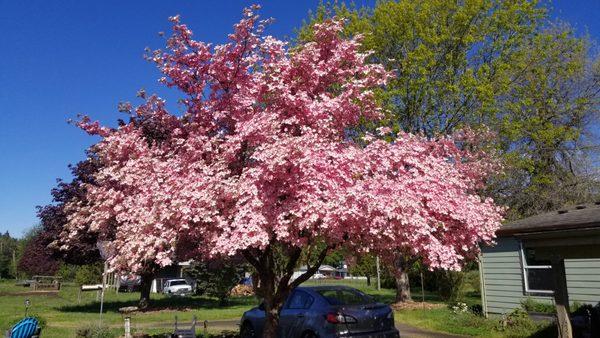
x=524, y=272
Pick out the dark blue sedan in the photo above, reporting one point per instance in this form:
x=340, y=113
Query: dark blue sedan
x=326, y=311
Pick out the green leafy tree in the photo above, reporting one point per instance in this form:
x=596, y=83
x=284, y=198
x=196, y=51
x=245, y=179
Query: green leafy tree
x=544, y=123
x=364, y=265
x=450, y=58
x=335, y=258
x=89, y=273
x=492, y=64
x=217, y=277
x=8, y=250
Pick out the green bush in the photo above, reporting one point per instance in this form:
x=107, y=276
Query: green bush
x=530, y=305
x=89, y=274
x=476, y=309
x=67, y=272
x=450, y=285
x=216, y=278
x=517, y=321
x=94, y=332
x=472, y=281
x=387, y=278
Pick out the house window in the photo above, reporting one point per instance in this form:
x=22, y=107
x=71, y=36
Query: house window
x=537, y=273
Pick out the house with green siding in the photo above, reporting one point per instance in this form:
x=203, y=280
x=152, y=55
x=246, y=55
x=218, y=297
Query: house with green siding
x=520, y=265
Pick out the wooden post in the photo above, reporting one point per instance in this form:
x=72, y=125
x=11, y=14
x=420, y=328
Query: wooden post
x=561, y=298
x=482, y=285
x=378, y=274
x=102, y=291
x=422, y=289
x=127, y=327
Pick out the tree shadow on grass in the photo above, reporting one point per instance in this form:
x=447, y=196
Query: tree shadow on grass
x=549, y=331
x=166, y=303
x=390, y=298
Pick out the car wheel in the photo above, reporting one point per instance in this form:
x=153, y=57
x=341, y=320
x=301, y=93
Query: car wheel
x=247, y=331
x=309, y=334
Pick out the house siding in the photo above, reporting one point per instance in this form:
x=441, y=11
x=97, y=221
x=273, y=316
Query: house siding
x=583, y=280
x=503, y=278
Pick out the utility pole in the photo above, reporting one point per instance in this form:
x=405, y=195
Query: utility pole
x=378, y=274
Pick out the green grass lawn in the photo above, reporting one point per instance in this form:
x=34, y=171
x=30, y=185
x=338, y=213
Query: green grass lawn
x=63, y=315
x=468, y=324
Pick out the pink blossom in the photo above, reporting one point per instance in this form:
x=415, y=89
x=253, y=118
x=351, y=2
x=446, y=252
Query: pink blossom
x=260, y=156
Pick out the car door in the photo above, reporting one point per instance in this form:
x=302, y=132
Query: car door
x=294, y=314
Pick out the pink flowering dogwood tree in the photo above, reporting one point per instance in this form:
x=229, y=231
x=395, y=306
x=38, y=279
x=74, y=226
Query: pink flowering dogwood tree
x=261, y=164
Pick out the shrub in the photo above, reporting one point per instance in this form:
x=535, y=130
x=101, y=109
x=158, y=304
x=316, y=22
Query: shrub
x=517, y=320
x=472, y=280
x=450, y=285
x=67, y=272
x=476, y=309
x=530, y=305
x=216, y=278
x=94, y=332
x=89, y=274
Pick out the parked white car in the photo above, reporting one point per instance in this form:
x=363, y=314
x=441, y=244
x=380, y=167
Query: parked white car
x=177, y=287
x=319, y=275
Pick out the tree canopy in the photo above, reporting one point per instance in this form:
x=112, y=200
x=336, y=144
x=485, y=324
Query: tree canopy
x=498, y=64
x=261, y=162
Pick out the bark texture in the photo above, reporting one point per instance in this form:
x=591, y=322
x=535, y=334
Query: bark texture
x=274, y=282
x=402, y=282
x=145, y=286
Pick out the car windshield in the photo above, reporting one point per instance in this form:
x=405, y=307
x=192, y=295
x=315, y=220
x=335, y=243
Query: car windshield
x=178, y=282
x=345, y=297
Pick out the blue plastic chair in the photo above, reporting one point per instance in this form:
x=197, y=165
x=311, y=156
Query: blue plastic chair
x=26, y=328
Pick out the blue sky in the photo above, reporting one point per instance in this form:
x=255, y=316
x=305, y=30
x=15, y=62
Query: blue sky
x=61, y=58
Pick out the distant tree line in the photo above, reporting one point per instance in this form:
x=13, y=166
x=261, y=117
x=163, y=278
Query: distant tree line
x=10, y=251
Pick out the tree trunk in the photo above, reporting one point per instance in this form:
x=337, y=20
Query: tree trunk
x=145, y=287
x=368, y=280
x=274, y=283
x=401, y=277
x=271, y=327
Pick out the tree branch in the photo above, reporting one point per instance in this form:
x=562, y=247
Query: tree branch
x=311, y=270
x=289, y=268
x=251, y=259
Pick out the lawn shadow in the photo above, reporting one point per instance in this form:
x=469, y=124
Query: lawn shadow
x=431, y=297
x=549, y=331
x=390, y=298
x=174, y=303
